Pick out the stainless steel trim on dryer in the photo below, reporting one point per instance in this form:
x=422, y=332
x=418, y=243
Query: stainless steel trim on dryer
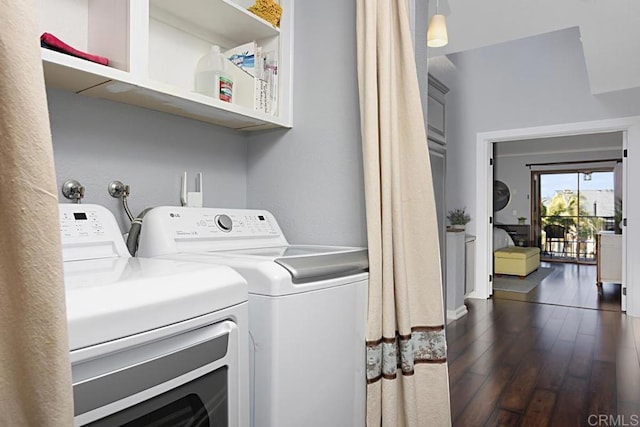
x=102, y=390
x=185, y=377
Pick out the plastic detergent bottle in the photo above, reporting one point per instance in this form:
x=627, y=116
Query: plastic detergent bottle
x=211, y=76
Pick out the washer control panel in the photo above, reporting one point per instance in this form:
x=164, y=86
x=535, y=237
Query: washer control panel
x=172, y=229
x=207, y=224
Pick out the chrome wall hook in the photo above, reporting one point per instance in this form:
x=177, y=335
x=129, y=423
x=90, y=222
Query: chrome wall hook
x=119, y=190
x=73, y=190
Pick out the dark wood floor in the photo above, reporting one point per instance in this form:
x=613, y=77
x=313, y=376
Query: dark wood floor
x=572, y=285
x=517, y=363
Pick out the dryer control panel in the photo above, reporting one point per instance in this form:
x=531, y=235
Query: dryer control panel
x=170, y=229
x=80, y=224
x=89, y=232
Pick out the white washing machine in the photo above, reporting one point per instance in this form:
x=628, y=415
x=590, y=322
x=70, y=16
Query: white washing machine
x=152, y=342
x=307, y=310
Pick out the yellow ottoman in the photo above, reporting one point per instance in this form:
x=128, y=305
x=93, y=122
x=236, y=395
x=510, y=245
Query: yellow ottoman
x=516, y=260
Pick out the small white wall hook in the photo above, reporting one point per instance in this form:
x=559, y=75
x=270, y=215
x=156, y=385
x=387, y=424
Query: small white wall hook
x=192, y=199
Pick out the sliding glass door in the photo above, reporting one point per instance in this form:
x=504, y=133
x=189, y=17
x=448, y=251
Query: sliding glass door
x=570, y=208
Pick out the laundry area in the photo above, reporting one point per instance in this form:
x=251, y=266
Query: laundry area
x=169, y=336
x=174, y=207
x=148, y=336
x=186, y=240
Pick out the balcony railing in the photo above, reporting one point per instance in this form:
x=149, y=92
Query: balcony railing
x=577, y=241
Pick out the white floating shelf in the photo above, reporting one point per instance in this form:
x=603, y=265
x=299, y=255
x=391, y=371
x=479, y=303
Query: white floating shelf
x=224, y=17
x=154, y=46
x=159, y=97
x=76, y=74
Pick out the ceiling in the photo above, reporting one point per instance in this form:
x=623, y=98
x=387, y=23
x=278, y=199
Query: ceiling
x=609, y=30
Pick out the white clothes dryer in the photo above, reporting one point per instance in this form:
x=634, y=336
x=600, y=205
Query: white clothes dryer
x=152, y=342
x=307, y=310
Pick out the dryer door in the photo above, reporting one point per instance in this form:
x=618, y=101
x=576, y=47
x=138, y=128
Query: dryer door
x=180, y=380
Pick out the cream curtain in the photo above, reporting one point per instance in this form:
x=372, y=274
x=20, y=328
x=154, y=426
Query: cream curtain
x=35, y=375
x=406, y=350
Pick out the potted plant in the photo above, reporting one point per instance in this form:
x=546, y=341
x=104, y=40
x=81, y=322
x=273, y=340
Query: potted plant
x=521, y=220
x=458, y=218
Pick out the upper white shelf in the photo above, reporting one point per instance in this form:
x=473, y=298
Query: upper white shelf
x=154, y=46
x=221, y=17
x=98, y=81
x=75, y=74
x=159, y=97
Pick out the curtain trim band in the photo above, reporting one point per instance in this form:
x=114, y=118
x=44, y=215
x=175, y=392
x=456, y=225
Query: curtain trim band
x=414, y=329
x=406, y=374
x=386, y=356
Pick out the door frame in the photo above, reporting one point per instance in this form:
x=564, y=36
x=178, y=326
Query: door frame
x=630, y=128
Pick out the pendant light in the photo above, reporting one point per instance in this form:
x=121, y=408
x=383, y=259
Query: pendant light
x=437, y=30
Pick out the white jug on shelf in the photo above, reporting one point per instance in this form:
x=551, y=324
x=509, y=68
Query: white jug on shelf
x=212, y=78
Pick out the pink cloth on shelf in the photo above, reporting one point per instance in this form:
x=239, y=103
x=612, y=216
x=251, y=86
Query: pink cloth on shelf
x=52, y=42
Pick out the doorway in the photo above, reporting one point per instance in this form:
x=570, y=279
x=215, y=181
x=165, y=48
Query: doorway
x=570, y=207
x=630, y=130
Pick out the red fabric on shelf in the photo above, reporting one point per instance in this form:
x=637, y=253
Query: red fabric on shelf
x=54, y=43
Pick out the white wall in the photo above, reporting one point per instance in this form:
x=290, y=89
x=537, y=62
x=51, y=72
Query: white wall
x=310, y=177
x=529, y=82
x=97, y=141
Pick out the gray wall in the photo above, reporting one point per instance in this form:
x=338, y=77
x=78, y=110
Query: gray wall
x=96, y=141
x=530, y=82
x=310, y=177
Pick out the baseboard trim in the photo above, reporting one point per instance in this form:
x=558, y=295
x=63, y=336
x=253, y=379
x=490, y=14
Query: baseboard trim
x=457, y=313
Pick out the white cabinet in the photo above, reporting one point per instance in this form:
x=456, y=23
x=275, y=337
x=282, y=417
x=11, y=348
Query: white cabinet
x=459, y=272
x=470, y=264
x=455, y=274
x=154, y=46
x=609, y=258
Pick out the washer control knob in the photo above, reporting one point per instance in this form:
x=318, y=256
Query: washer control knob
x=224, y=223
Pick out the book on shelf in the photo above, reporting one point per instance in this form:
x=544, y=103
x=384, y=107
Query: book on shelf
x=270, y=74
x=243, y=56
x=263, y=69
x=266, y=89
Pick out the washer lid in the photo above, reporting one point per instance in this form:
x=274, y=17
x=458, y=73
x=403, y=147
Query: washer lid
x=112, y=298
x=323, y=265
x=307, y=263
